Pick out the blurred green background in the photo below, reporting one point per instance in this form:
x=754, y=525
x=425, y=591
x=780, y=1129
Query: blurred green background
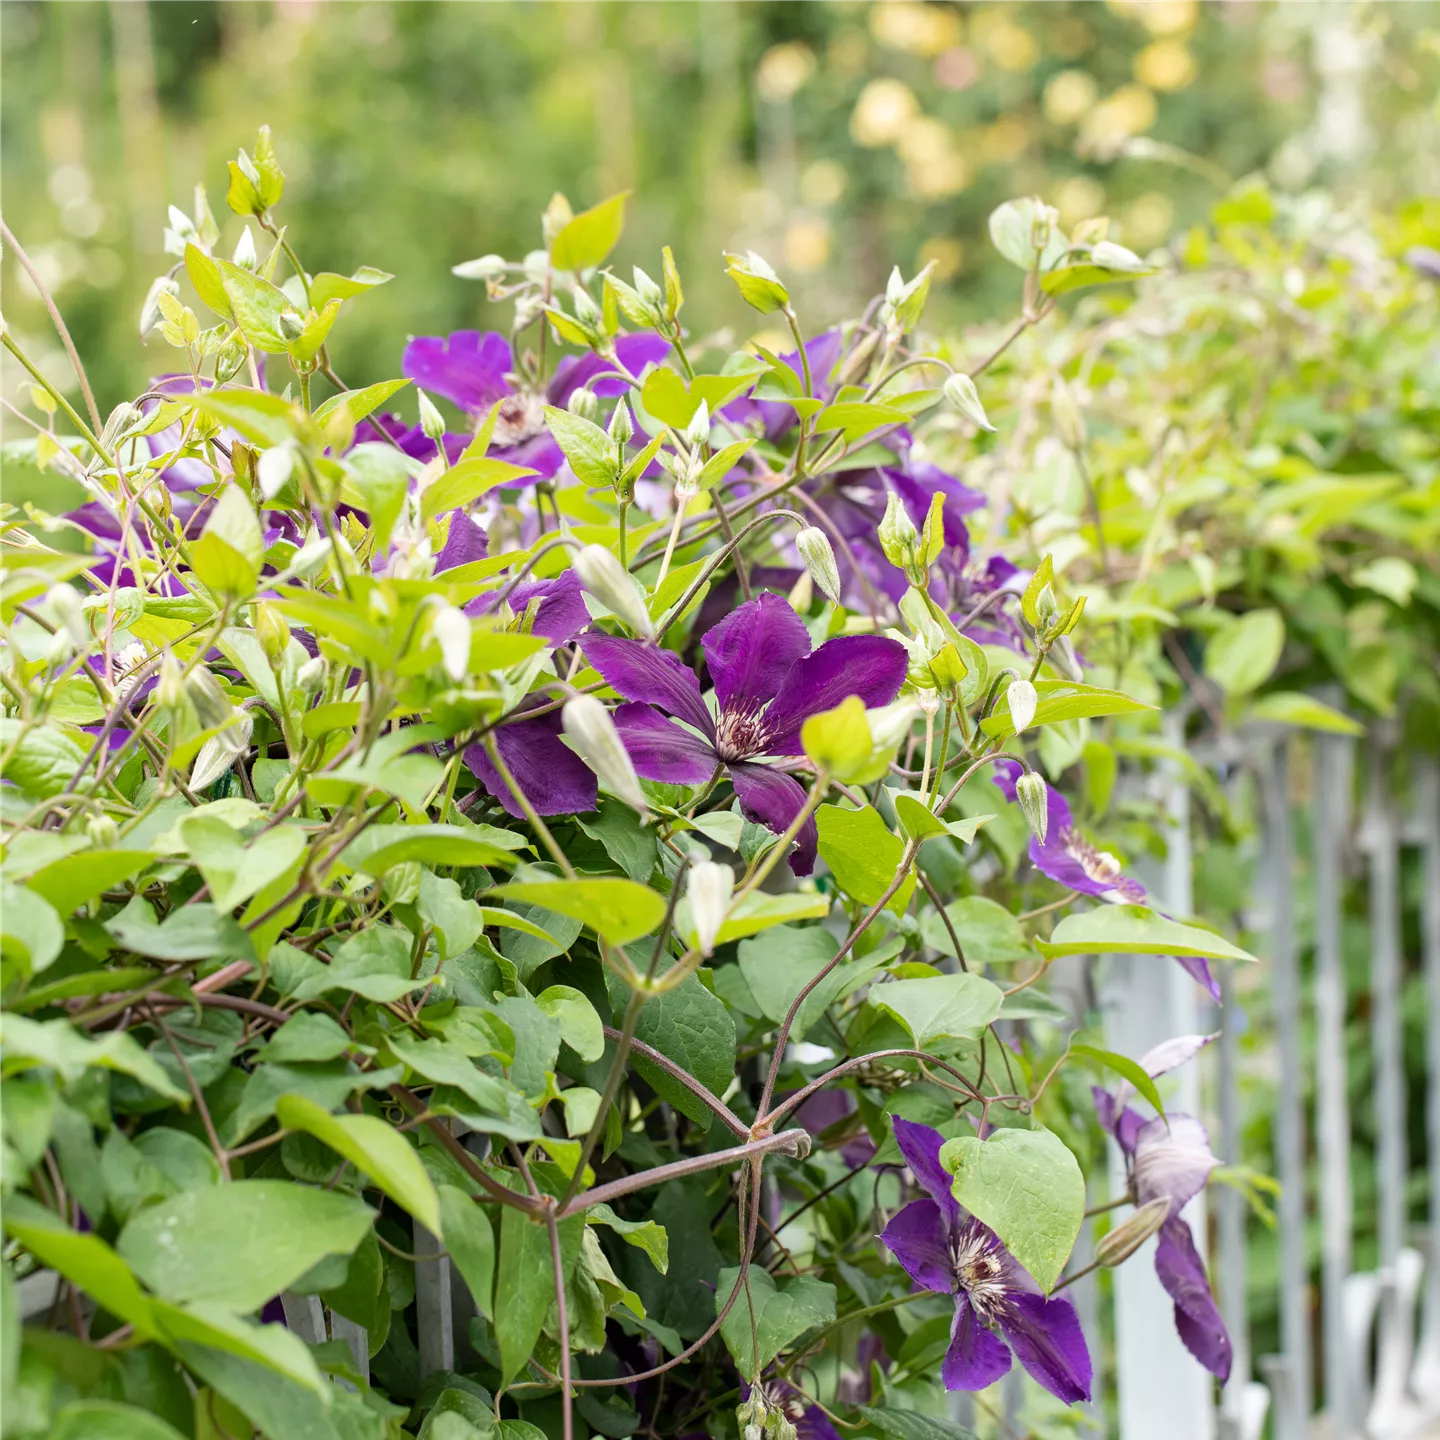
x=836, y=138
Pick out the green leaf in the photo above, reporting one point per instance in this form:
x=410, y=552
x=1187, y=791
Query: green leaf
x=989, y=934
x=282, y=1384
x=631, y=845
x=783, y=1313
x=936, y=1007
x=913, y=1425
x=1065, y=278
x=1243, y=654
x=75, y=880
x=233, y=870
x=857, y=417
x=357, y=404
x=524, y=1287
x=83, y=1259
x=189, y=932
x=1288, y=707
x=311, y=1035
x=619, y=911
x=327, y=286
x=40, y=760
x=471, y=1242
x=187, y=1247
x=588, y=449
x=31, y=933
x=590, y=236
x=374, y=963
x=580, y=1025
x=1061, y=700
x=56, y=1045
x=1134, y=930
x=921, y=823
x=204, y=275
x=693, y=1028
x=1027, y=1187
x=381, y=847
x=466, y=481
x=372, y=1147
x=863, y=855
x=256, y=306
x=779, y=966
x=377, y=481
x=1126, y=1068
x=644, y=1235
x=109, y=1420
x=260, y=417
x=759, y=911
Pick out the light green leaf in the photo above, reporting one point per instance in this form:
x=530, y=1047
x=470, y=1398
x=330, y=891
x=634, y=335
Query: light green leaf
x=189, y=932
x=380, y=847
x=1134, y=930
x=619, y=911
x=31, y=933
x=357, y=404
x=936, y=1007
x=327, y=286
x=759, y=911
x=466, y=481
x=213, y=1341
x=233, y=870
x=372, y=1147
x=1061, y=700
x=41, y=760
x=580, y=1026
x=374, y=963
x=1027, y=1187
x=645, y=1235
x=783, y=1313
x=863, y=855
x=187, y=1247
x=921, y=823
x=1126, y=1068
x=1288, y=707
x=471, y=1242
x=587, y=239
x=56, y=1045
x=857, y=417
x=588, y=450
x=1243, y=654
x=75, y=880
x=989, y=934
x=109, y=1420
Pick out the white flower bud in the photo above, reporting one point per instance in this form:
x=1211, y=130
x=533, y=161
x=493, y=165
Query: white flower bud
x=310, y=558
x=122, y=420
x=697, y=432
x=220, y=751
x=170, y=687
x=310, y=677
x=101, y=831
x=815, y=550
x=622, y=427
x=593, y=736
x=1110, y=256
x=1034, y=796
x=602, y=575
x=432, y=422
x=961, y=394
x=485, y=268
x=1124, y=1240
x=1022, y=698
x=452, y=630
x=64, y=602
x=897, y=534
x=273, y=469
x=245, y=256
x=582, y=402
x=710, y=890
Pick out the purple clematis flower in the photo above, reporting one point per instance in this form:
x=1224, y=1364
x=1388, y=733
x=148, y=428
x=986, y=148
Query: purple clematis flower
x=1066, y=857
x=410, y=438
x=474, y=371
x=767, y=681
x=555, y=780
x=1169, y=1158
x=944, y=1249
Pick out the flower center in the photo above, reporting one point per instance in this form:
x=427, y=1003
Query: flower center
x=739, y=734
x=1101, y=866
x=975, y=1257
x=519, y=418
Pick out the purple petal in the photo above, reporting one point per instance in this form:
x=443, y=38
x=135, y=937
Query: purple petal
x=1128, y=1125
x=1172, y=1160
x=749, y=652
x=1197, y=967
x=1197, y=1320
x=635, y=352
x=539, y=453
x=658, y=677
x=869, y=666
x=1104, y=1107
x=555, y=780
x=920, y=483
x=918, y=1237
x=411, y=439
x=1047, y=1338
x=662, y=750
x=773, y=799
x=465, y=542
x=469, y=369
x=977, y=1357
x=561, y=614
x=920, y=1145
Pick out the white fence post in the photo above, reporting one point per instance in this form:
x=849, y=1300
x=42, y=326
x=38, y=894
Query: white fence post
x=1427, y=1368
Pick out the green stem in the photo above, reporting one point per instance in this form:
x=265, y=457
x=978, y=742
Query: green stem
x=624, y=539
x=794, y=324
x=89, y=436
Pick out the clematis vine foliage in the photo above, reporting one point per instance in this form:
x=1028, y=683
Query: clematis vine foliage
x=507, y=921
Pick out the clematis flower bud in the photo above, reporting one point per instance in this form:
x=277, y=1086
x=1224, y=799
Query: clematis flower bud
x=101, y=831
x=452, y=630
x=900, y=540
x=1034, y=797
x=710, y=890
x=273, y=469
x=273, y=634
x=1022, y=700
x=170, y=687
x=432, y=422
x=602, y=575
x=121, y=421
x=245, y=256
x=582, y=403
x=593, y=736
x=697, y=432
x=1125, y=1239
x=310, y=677
x=815, y=550
x=64, y=602
x=961, y=395
x=221, y=751
x=622, y=426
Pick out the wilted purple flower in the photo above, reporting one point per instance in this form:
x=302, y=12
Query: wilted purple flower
x=767, y=684
x=944, y=1249
x=1169, y=1158
x=1068, y=858
x=810, y=1421
x=474, y=370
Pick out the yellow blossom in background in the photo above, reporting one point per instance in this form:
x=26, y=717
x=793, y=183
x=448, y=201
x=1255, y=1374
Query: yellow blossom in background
x=882, y=112
x=1010, y=47
x=784, y=69
x=823, y=183
x=1130, y=110
x=946, y=254
x=1079, y=198
x=1068, y=96
x=1165, y=65
x=807, y=243
x=934, y=166
x=913, y=27
x=1160, y=17
x=1148, y=220
x=1003, y=141
x=849, y=52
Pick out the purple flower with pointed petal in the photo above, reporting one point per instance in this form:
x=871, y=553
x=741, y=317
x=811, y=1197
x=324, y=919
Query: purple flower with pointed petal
x=474, y=371
x=1169, y=1158
x=465, y=543
x=1068, y=858
x=767, y=681
x=560, y=613
x=942, y=1248
x=554, y=779
x=410, y=438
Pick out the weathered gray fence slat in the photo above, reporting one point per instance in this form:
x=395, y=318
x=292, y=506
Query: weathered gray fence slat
x=1394, y=1347
x=1333, y=780
x=1427, y=1369
x=1231, y=1208
x=1292, y=1384
x=434, y=1316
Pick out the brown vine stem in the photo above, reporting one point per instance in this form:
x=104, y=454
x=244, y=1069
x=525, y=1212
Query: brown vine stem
x=557, y=1265
x=725, y=1114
